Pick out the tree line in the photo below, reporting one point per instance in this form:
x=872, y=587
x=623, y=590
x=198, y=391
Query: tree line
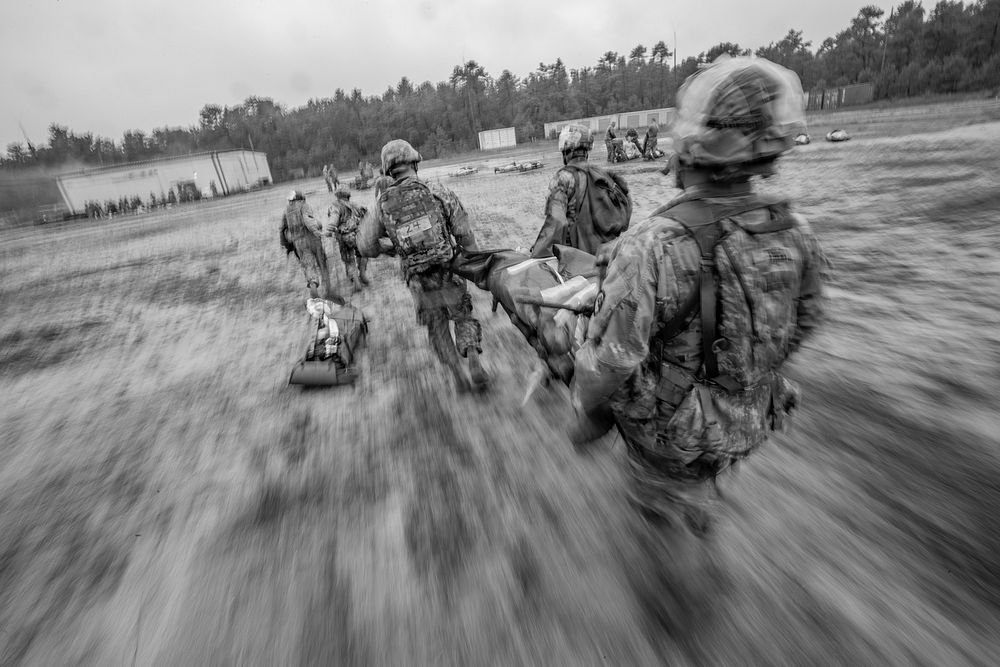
x=912, y=51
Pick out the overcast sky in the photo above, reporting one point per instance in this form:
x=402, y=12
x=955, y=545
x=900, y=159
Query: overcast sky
x=106, y=66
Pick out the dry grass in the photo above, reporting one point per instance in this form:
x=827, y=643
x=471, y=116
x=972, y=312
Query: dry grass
x=166, y=499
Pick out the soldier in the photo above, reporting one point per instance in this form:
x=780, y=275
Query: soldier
x=649, y=144
x=609, y=139
x=343, y=219
x=327, y=179
x=632, y=136
x=424, y=226
x=572, y=217
x=300, y=234
x=334, y=177
x=704, y=300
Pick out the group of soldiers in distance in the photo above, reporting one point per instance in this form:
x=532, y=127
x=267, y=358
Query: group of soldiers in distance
x=366, y=172
x=699, y=305
x=135, y=204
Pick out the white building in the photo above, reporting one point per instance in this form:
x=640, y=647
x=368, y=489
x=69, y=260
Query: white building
x=493, y=139
x=228, y=171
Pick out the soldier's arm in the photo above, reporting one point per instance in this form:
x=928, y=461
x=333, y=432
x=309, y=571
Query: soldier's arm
x=332, y=221
x=458, y=220
x=553, y=231
x=618, y=336
x=311, y=222
x=809, y=308
x=370, y=232
x=283, y=236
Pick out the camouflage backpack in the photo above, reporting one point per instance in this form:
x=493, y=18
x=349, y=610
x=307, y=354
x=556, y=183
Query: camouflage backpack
x=747, y=297
x=351, y=222
x=416, y=226
x=603, y=207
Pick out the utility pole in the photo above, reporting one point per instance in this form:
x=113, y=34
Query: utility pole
x=885, y=40
x=31, y=146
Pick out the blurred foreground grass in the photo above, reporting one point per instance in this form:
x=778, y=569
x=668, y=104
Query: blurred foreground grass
x=166, y=499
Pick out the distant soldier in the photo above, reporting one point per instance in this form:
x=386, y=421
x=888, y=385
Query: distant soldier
x=343, y=219
x=632, y=136
x=424, y=225
x=649, y=145
x=334, y=177
x=326, y=177
x=300, y=234
x=587, y=206
x=609, y=141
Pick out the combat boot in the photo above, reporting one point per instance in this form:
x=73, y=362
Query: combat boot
x=480, y=378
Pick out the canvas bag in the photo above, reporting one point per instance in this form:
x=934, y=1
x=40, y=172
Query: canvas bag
x=604, y=208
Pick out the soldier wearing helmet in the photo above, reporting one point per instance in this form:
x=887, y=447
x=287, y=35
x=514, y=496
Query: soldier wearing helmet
x=301, y=234
x=680, y=324
x=568, y=214
x=425, y=225
x=342, y=222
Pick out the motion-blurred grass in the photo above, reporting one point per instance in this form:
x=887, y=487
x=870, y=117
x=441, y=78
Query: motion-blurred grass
x=166, y=499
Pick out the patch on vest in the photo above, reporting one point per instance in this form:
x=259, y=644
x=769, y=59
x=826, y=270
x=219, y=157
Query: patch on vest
x=415, y=234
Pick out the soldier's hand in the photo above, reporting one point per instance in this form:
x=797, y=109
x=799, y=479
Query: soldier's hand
x=386, y=247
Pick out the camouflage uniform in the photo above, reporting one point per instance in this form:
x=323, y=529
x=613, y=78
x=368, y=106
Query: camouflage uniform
x=559, y=214
x=609, y=138
x=439, y=296
x=649, y=145
x=684, y=411
x=301, y=234
x=342, y=224
x=619, y=371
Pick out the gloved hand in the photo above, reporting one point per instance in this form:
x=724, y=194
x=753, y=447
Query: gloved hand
x=386, y=247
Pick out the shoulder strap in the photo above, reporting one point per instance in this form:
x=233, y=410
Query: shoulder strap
x=579, y=197
x=701, y=219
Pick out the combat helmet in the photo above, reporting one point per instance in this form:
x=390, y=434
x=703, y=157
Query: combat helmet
x=397, y=152
x=295, y=194
x=342, y=194
x=737, y=111
x=575, y=136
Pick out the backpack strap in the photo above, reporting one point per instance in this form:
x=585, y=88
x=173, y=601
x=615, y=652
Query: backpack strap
x=701, y=220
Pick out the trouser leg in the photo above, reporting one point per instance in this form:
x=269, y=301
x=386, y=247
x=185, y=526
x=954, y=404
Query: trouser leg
x=439, y=335
x=468, y=331
x=362, y=265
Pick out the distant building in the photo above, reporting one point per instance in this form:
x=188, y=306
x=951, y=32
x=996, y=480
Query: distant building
x=639, y=120
x=228, y=171
x=493, y=139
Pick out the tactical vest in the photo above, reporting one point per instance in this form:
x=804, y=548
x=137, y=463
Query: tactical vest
x=415, y=222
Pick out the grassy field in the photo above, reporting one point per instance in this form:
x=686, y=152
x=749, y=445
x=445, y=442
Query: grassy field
x=166, y=499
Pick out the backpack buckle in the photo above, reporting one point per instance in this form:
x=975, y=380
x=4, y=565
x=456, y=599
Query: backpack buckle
x=720, y=345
